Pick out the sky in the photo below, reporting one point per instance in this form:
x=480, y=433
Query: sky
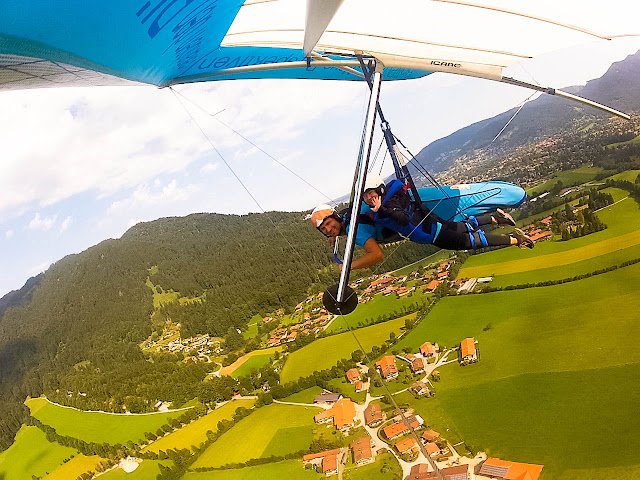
x=81, y=165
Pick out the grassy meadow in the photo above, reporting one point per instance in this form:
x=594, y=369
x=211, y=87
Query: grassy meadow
x=195, y=433
x=555, y=374
x=252, y=327
x=32, y=454
x=264, y=354
x=99, y=427
x=147, y=470
x=304, y=396
x=270, y=471
x=271, y=430
x=379, y=305
x=325, y=352
x=74, y=467
x=622, y=220
x=385, y=467
x=568, y=178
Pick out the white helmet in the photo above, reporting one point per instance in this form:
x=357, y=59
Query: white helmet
x=374, y=181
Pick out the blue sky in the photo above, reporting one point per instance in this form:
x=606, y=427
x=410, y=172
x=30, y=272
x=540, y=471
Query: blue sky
x=82, y=165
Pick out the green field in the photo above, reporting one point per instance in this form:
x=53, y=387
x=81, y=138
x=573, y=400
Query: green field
x=195, y=433
x=568, y=178
x=266, y=353
x=556, y=374
x=628, y=175
x=270, y=471
x=148, y=469
x=386, y=467
x=254, y=363
x=252, y=327
x=97, y=427
x=74, y=468
x=271, y=430
x=628, y=142
x=304, y=396
x=340, y=385
x=325, y=352
x=379, y=305
x=32, y=454
x=567, y=271
x=622, y=220
x=420, y=264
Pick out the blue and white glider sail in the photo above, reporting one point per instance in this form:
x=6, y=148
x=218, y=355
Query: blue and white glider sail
x=167, y=42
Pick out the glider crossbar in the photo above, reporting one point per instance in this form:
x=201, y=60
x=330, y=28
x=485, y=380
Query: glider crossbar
x=569, y=96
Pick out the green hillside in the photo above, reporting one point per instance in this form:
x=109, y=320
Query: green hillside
x=32, y=454
x=97, y=427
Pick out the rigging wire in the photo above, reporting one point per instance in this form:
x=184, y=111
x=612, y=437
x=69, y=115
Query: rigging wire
x=246, y=189
x=221, y=122
x=512, y=117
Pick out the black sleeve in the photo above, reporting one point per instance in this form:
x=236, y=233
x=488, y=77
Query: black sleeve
x=393, y=210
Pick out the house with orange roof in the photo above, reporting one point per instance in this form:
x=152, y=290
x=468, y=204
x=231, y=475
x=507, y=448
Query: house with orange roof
x=353, y=375
x=541, y=235
x=427, y=349
x=432, y=449
x=387, y=367
x=417, y=366
x=373, y=415
x=360, y=386
x=431, y=286
x=443, y=276
x=395, y=430
x=342, y=414
x=468, y=353
x=381, y=281
x=389, y=290
x=402, y=291
x=362, y=451
x=430, y=435
x=408, y=445
x=330, y=465
x=506, y=470
x=421, y=472
x=457, y=472
x=316, y=458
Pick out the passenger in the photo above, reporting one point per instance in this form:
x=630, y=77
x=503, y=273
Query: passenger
x=395, y=210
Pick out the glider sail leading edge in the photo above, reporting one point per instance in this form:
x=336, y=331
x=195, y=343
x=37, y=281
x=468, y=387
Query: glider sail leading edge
x=168, y=42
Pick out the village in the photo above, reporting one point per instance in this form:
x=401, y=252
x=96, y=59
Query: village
x=422, y=452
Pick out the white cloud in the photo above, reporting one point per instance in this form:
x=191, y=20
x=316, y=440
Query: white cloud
x=65, y=224
x=209, y=168
x=157, y=196
x=9, y=233
x=35, y=270
x=42, y=223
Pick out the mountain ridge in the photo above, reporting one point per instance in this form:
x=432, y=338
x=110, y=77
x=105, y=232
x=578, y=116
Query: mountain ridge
x=538, y=118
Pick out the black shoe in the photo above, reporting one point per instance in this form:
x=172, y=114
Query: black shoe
x=503, y=218
x=523, y=240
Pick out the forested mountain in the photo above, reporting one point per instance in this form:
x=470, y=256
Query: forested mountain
x=78, y=326
x=20, y=296
x=543, y=117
